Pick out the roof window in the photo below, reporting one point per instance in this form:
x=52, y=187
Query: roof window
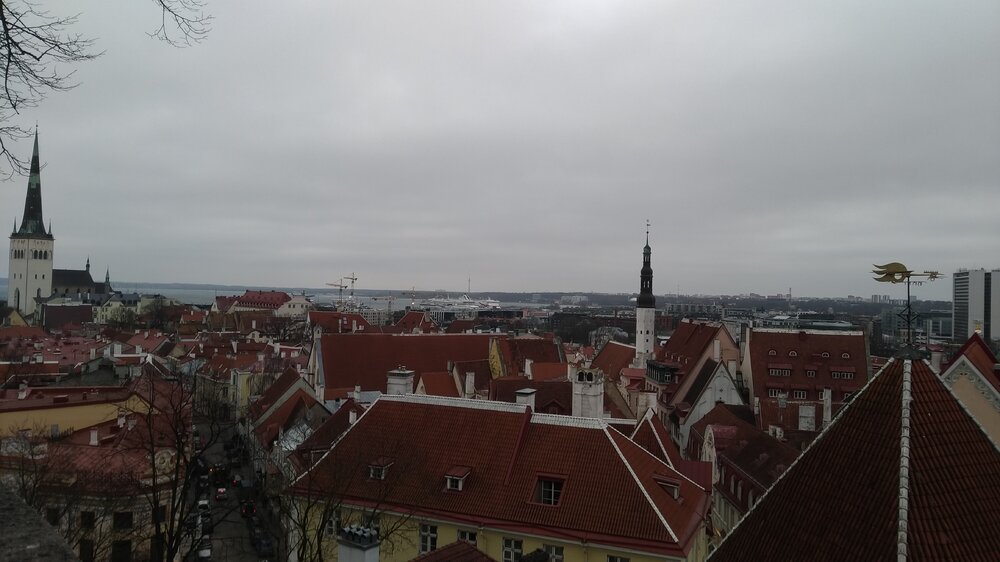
x=378, y=468
x=826, y=354
x=845, y=355
x=548, y=490
x=671, y=487
x=772, y=353
x=454, y=479
x=793, y=353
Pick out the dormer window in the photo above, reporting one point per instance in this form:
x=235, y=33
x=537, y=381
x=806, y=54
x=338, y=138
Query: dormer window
x=378, y=469
x=826, y=355
x=793, y=353
x=454, y=479
x=548, y=491
x=671, y=487
x=772, y=353
x=845, y=356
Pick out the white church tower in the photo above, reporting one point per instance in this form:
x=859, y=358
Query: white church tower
x=645, y=311
x=29, y=274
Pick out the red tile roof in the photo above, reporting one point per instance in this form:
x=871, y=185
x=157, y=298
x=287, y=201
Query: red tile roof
x=904, y=435
x=460, y=326
x=364, y=359
x=508, y=450
x=439, y=384
x=283, y=416
x=272, y=393
x=652, y=435
x=546, y=371
x=268, y=300
x=979, y=354
x=459, y=551
x=339, y=322
x=416, y=322
x=613, y=358
x=481, y=370
x=689, y=342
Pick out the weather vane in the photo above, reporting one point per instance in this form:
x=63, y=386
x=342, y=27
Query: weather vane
x=896, y=272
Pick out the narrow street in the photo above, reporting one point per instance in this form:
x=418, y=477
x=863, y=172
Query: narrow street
x=230, y=530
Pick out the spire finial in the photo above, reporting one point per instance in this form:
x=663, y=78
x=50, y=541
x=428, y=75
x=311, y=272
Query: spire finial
x=647, y=232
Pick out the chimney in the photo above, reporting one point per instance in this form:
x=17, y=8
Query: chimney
x=936, y=357
x=131, y=424
x=827, y=406
x=526, y=396
x=352, y=415
x=39, y=358
x=716, y=350
x=22, y=391
x=588, y=393
x=93, y=437
x=470, y=385
x=145, y=335
x=527, y=367
x=357, y=393
x=357, y=544
x=400, y=381
x=121, y=419
x=93, y=353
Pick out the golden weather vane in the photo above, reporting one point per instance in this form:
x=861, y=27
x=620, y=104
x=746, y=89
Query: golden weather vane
x=895, y=272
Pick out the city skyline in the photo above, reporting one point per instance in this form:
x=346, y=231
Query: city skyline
x=525, y=146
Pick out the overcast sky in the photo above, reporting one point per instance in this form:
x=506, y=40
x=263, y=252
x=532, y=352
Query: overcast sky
x=772, y=145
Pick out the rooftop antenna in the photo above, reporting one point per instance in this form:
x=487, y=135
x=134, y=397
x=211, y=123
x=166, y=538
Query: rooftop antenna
x=896, y=272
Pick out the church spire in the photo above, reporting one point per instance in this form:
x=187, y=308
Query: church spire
x=32, y=223
x=646, y=298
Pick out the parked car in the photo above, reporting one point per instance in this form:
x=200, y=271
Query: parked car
x=221, y=494
x=204, y=506
x=248, y=508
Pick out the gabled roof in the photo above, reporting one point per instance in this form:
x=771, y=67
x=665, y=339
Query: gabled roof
x=689, y=342
x=458, y=551
x=364, y=359
x=902, y=473
x=269, y=300
x=416, y=321
x=508, y=450
x=439, y=384
x=339, y=322
x=613, y=358
x=977, y=352
x=72, y=278
x=547, y=371
x=651, y=434
x=280, y=418
x=272, y=393
x=480, y=368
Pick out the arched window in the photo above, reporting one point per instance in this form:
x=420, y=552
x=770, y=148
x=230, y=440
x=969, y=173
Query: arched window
x=845, y=356
x=826, y=354
x=772, y=353
x=793, y=353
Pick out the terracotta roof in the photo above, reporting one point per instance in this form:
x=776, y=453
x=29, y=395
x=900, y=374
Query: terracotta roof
x=364, y=359
x=720, y=415
x=22, y=332
x=979, y=354
x=282, y=417
x=689, y=342
x=269, y=300
x=225, y=303
x=416, y=321
x=339, y=322
x=551, y=397
x=613, y=358
x=272, y=393
x=480, y=368
x=460, y=325
x=459, y=551
x=508, y=451
x=546, y=371
x=652, y=435
x=439, y=384
x=905, y=435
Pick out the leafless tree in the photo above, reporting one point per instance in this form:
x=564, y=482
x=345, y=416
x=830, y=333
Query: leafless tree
x=38, y=50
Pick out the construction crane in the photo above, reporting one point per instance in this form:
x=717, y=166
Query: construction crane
x=340, y=292
x=352, y=279
x=388, y=300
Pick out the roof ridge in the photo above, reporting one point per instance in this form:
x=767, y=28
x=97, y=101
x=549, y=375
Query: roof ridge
x=494, y=405
x=904, y=462
x=642, y=488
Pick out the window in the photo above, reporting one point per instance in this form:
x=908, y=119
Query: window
x=772, y=353
x=428, y=538
x=160, y=514
x=376, y=472
x=617, y=559
x=799, y=394
x=845, y=356
x=773, y=392
x=86, y=550
x=87, y=519
x=512, y=549
x=121, y=551
x=548, y=491
x=555, y=552
x=793, y=353
x=825, y=354
x=467, y=536
x=823, y=393
x=454, y=483
x=123, y=520
x=332, y=523
x=52, y=515
x=811, y=373
x=841, y=374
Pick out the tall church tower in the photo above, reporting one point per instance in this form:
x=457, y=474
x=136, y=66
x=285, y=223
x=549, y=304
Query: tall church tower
x=29, y=274
x=645, y=311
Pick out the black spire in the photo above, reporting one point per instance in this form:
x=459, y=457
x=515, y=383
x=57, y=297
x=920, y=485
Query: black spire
x=646, y=298
x=32, y=224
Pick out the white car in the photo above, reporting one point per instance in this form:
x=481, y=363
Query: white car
x=204, y=505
